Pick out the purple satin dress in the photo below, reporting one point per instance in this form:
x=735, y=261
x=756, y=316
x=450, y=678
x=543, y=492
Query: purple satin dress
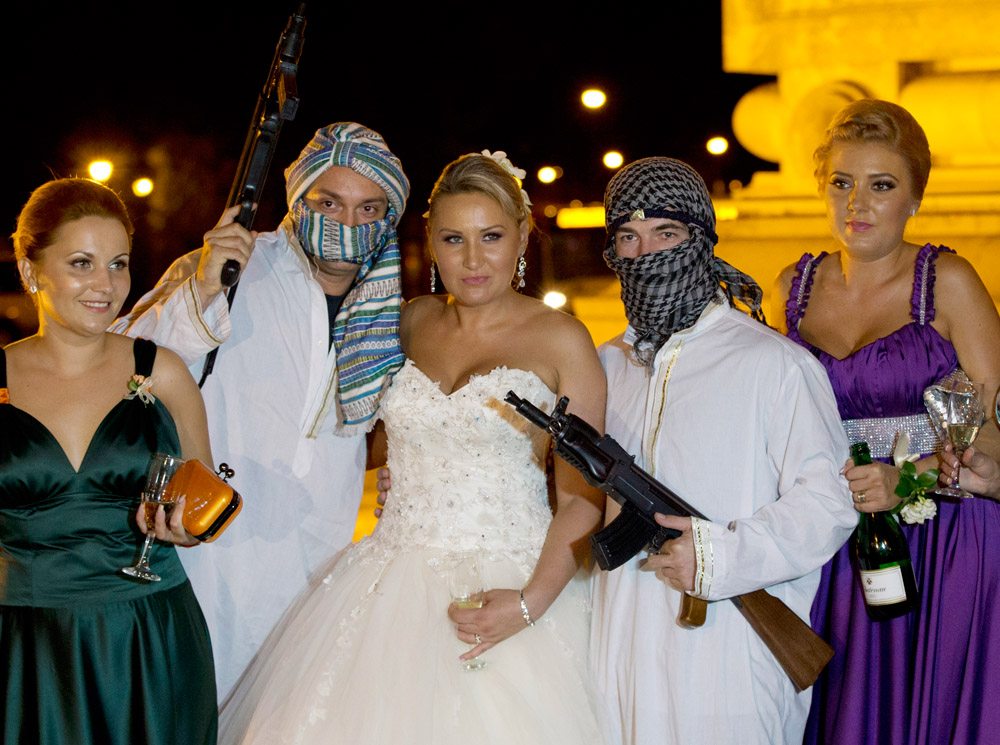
x=933, y=675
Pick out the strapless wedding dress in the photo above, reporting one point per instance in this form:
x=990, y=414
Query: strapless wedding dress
x=368, y=654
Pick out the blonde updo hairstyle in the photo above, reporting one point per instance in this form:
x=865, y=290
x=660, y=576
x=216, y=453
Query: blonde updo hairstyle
x=480, y=174
x=872, y=120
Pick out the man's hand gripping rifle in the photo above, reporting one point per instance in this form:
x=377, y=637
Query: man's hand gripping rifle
x=277, y=103
x=606, y=465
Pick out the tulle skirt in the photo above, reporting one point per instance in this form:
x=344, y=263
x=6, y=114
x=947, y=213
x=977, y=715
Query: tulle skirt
x=368, y=655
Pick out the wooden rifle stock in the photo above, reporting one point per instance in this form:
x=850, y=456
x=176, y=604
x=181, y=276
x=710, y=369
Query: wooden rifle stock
x=799, y=650
x=693, y=612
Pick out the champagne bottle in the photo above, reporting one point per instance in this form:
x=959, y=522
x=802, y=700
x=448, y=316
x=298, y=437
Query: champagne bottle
x=887, y=580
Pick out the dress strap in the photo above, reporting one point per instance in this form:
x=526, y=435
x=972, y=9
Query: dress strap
x=798, y=294
x=144, y=352
x=922, y=300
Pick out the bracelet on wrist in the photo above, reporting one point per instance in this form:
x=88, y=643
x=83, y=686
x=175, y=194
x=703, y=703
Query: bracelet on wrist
x=524, y=612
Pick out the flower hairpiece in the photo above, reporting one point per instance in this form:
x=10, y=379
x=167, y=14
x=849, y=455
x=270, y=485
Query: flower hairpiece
x=914, y=506
x=141, y=387
x=500, y=157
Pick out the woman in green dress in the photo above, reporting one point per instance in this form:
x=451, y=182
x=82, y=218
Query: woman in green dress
x=87, y=654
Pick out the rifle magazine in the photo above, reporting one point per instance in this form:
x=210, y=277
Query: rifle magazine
x=622, y=538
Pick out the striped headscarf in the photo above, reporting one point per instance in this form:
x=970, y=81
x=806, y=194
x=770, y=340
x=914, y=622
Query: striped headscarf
x=366, y=329
x=666, y=291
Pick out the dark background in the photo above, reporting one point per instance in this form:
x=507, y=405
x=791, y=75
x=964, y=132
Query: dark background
x=168, y=89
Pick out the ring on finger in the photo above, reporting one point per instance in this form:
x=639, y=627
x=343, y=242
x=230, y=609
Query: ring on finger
x=861, y=496
x=479, y=639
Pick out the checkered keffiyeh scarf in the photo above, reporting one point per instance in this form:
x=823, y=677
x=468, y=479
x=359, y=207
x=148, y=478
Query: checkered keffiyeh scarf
x=667, y=291
x=366, y=329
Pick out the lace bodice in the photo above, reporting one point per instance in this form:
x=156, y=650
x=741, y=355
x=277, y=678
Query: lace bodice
x=465, y=469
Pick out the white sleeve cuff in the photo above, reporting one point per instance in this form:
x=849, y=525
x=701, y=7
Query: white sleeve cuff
x=211, y=324
x=704, y=556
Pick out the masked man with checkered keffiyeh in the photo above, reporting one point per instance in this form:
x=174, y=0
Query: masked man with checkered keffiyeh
x=305, y=353
x=742, y=424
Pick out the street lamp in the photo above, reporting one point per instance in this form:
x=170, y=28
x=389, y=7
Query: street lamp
x=100, y=170
x=593, y=98
x=717, y=145
x=613, y=159
x=548, y=174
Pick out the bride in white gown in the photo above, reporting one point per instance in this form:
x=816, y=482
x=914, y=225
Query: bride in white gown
x=373, y=652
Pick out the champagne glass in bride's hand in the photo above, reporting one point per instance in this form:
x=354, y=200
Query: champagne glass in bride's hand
x=963, y=416
x=466, y=585
x=155, y=493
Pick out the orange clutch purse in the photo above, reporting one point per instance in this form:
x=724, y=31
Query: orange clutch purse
x=211, y=503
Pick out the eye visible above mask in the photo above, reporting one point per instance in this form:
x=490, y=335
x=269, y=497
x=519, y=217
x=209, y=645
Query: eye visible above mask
x=325, y=238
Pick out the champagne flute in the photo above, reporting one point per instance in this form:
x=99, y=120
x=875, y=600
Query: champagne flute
x=964, y=415
x=466, y=585
x=162, y=467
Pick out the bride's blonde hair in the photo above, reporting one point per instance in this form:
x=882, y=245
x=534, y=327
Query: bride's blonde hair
x=480, y=174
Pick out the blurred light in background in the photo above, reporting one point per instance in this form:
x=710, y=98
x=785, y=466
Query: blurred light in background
x=593, y=98
x=613, y=159
x=717, y=145
x=580, y=217
x=554, y=299
x=100, y=170
x=142, y=187
x=548, y=174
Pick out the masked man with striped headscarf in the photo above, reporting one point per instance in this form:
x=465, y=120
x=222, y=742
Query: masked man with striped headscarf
x=306, y=351
x=743, y=426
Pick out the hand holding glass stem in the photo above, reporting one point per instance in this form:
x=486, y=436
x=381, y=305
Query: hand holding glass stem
x=964, y=415
x=155, y=496
x=466, y=587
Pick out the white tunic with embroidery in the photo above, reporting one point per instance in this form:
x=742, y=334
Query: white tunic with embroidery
x=271, y=417
x=745, y=429
x=370, y=656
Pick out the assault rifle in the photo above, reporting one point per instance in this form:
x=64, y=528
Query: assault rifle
x=277, y=103
x=605, y=464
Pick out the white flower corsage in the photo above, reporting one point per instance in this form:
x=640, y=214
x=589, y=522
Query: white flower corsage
x=518, y=173
x=915, y=506
x=142, y=387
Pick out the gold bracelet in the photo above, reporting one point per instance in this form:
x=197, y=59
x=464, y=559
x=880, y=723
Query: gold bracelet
x=524, y=611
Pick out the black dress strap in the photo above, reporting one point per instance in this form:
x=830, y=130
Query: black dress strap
x=144, y=352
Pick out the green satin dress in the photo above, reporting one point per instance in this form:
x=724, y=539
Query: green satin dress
x=87, y=654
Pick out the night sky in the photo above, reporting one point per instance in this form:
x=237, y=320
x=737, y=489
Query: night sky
x=173, y=86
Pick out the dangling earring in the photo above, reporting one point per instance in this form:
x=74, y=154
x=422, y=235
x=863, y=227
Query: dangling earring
x=433, y=278
x=521, y=266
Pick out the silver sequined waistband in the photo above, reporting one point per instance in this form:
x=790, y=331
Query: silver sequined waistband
x=881, y=433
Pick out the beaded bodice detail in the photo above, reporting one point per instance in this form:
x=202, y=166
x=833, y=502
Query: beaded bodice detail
x=465, y=467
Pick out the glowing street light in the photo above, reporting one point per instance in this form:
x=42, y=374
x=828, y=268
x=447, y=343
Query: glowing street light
x=593, y=98
x=100, y=170
x=554, y=299
x=717, y=145
x=613, y=159
x=548, y=174
x=142, y=187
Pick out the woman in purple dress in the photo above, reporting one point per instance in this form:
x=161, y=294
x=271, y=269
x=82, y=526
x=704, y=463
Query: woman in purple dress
x=916, y=314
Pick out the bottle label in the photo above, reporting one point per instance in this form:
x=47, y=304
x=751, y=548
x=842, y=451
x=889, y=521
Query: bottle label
x=883, y=586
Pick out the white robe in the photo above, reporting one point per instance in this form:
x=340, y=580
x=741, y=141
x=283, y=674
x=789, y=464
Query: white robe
x=271, y=417
x=749, y=435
